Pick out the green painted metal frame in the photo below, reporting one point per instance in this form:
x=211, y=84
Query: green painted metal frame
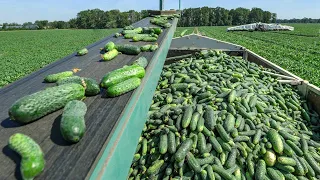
x=116, y=158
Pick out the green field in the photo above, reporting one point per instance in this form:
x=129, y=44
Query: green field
x=23, y=52
x=297, y=51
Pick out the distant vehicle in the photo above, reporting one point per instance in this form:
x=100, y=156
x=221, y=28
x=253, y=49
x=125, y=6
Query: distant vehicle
x=261, y=27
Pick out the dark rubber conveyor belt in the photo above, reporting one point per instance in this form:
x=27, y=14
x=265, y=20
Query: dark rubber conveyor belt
x=64, y=160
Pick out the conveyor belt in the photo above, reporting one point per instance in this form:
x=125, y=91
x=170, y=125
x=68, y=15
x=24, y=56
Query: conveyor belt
x=63, y=160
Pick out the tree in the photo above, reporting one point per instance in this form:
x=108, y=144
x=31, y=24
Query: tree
x=42, y=23
x=239, y=16
x=273, y=17
x=256, y=15
x=267, y=17
x=73, y=23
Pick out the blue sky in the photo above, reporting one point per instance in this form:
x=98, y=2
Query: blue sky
x=30, y=10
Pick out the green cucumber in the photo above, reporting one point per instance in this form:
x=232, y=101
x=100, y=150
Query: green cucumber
x=209, y=119
x=270, y=158
x=155, y=168
x=128, y=49
x=109, y=46
x=194, y=121
x=153, y=47
x=55, y=77
x=171, y=143
x=108, y=56
x=206, y=160
x=223, y=173
x=201, y=143
x=72, y=125
x=273, y=174
x=122, y=74
x=123, y=87
x=145, y=47
x=135, y=30
x=229, y=123
x=141, y=61
x=232, y=96
x=145, y=39
x=231, y=161
x=32, y=157
x=91, y=86
x=201, y=127
x=224, y=135
x=286, y=160
x=312, y=162
x=257, y=136
x=215, y=144
x=183, y=150
x=82, y=52
x=193, y=163
x=261, y=170
x=275, y=140
x=163, y=145
x=39, y=104
x=187, y=116
x=294, y=147
x=285, y=168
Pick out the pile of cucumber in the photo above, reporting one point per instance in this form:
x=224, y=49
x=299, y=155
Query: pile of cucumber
x=214, y=116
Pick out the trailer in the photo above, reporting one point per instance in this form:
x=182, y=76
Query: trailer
x=114, y=125
x=261, y=27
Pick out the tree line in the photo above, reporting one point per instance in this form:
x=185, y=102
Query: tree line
x=204, y=16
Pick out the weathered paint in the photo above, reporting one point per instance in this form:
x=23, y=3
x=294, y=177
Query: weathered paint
x=117, y=156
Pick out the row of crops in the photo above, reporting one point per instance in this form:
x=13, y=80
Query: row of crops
x=297, y=51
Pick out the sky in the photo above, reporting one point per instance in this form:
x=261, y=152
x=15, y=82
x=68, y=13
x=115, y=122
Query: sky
x=30, y=10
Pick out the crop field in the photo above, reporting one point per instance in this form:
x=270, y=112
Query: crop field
x=23, y=52
x=297, y=51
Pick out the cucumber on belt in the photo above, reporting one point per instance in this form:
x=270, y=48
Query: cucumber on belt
x=39, y=104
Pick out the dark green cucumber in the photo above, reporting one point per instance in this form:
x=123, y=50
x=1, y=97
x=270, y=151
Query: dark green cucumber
x=273, y=174
x=285, y=168
x=206, y=160
x=163, y=145
x=257, y=136
x=128, y=49
x=194, y=121
x=183, y=150
x=201, y=143
x=72, y=125
x=91, y=86
x=275, y=140
x=209, y=119
x=32, y=157
x=223, y=173
x=229, y=123
x=201, y=127
x=193, y=163
x=171, y=143
x=122, y=74
x=294, y=147
x=231, y=161
x=123, y=87
x=261, y=170
x=312, y=162
x=108, y=56
x=215, y=144
x=39, y=104
x=224, y=135
x=187, y=116
x=141, y=61
x=286, y=160
x=155, y=168
x=55, y=77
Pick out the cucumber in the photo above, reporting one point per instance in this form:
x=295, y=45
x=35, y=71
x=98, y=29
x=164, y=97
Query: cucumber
x=145, y=47
x=32, y=157
x=224, y=135
x=194, y=121
x=295, y=148
x=153, y=47
x=130, y=31
x=171, y=143
x=270, y=158
x=144, y=147
x=163, y=145
x=155, y=168
x=231, y=161
x=145, y=39
x=312, y=162
x=286, y=160
x=232, y=96
x=299, y=169
x=193, y=163
x=141, y=61
x=82, y=52
x=39, y=104
x=207, y=160
x=257, y=136
x=201, y=127
x=187, y=116
x=110, y=55
x=201, y=143
x=223, y=173
x=109, y=46
x=229, y=123
x=285, y=168
x=128, y=49
x=123, y=87
x=275, y=140
x=91, y=86
x=209, y=119
x=211, y=175
x=72, y=125
x=122, y=74
x=261, y=170
x=215, y=144
x=290, y=177
x=51, y=78
x=183, y=150
x=273, y=174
